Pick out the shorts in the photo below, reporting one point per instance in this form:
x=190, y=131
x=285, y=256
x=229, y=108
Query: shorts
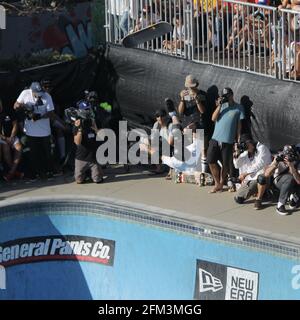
x=15, y=141
x=220, y=151
x=81, y=168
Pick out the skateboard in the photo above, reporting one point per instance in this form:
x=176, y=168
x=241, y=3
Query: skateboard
x=139, y=37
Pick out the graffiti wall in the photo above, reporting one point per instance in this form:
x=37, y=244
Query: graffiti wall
x=68, y=30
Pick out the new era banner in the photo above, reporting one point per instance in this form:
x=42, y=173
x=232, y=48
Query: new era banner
x=219, y=282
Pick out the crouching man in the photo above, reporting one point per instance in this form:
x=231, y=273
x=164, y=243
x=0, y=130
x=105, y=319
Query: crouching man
x=285, y=169
x=251, y=158
x=86, y=148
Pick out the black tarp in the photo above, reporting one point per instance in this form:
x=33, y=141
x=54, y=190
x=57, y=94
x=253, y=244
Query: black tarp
x=69, y=80
x=137, y=82
x=146, y=78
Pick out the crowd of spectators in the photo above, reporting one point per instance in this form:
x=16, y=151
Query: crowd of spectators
x=235, y=30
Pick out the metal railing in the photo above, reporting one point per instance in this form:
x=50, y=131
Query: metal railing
x=233, y=34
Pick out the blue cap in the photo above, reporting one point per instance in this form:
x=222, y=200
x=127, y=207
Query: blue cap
x=36, y=88
x=83, y=105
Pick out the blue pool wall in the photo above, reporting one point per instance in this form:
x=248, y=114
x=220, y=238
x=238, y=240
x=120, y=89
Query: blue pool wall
x=151, y=262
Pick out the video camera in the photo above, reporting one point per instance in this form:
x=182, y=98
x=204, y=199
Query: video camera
x=28, y=109
x=86, y=115
x=289, y=152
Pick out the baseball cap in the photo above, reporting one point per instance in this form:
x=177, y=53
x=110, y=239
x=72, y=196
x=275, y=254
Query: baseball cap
x=83, y=105
x=36, y=88
x=227, y=91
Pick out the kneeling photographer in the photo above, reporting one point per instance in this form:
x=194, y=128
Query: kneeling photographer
x=251, y=158
x=85, y=132
x=286, y=168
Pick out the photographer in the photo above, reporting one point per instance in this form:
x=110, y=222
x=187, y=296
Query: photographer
x=85, y=131
x=10, y=144
x=251, y=158
x=192, y=109
x=37, y=107
x=192, y=103
x=58, y=127
x=286, y=168
x=228, y=117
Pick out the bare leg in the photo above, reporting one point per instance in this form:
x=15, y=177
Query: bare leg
x=7, y=155
x=17, y=158
x=261, y=190
x=215, y=171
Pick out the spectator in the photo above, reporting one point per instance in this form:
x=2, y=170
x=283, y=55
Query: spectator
x=177, y=41
x=192, y=103
x=39, y=109
x=161, y=134
x=116, y=10
x=175, y=133
x=86, y=148
x=192, y=108
x=150, y=15
x=251, y=164
x=11, y=146
x=193, y=163
x=227, y=117
x=57, y=124
x=130, y=11
x=247, y=122
x=286, y=170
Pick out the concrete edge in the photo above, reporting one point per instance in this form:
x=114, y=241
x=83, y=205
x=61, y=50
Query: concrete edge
x=207, y=222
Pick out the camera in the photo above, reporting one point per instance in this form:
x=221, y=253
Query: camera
x=242, y=146
x=289, y=152
x=226, y=93
x=28, y=111
x=224, y=99
x=85, y=115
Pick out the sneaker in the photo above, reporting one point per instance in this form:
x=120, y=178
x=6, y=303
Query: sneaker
x=294, y=202
x=258, y=204
x=100, y=181
x=239, y=200
x=282, y=211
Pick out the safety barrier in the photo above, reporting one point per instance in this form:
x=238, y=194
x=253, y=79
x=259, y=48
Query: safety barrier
x=255, y=38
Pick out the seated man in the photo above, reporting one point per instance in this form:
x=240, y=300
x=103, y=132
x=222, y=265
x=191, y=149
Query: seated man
x=10, y=144
x=162, y=128
x=251, y=163
x=192, y=162
x=286, y=170
x=86, y=147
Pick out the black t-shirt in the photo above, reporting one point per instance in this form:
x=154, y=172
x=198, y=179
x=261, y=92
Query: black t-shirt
x=86, y=151
x=191, y=112
x=7, y=117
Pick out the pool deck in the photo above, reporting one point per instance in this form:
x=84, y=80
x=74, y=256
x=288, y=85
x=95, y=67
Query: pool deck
x=186, y=201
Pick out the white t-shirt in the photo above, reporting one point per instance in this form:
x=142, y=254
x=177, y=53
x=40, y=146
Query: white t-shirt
x=118, y=7
x=178, y=33
x=39, y=128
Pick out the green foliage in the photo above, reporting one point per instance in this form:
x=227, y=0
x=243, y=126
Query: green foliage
x=39, y=58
